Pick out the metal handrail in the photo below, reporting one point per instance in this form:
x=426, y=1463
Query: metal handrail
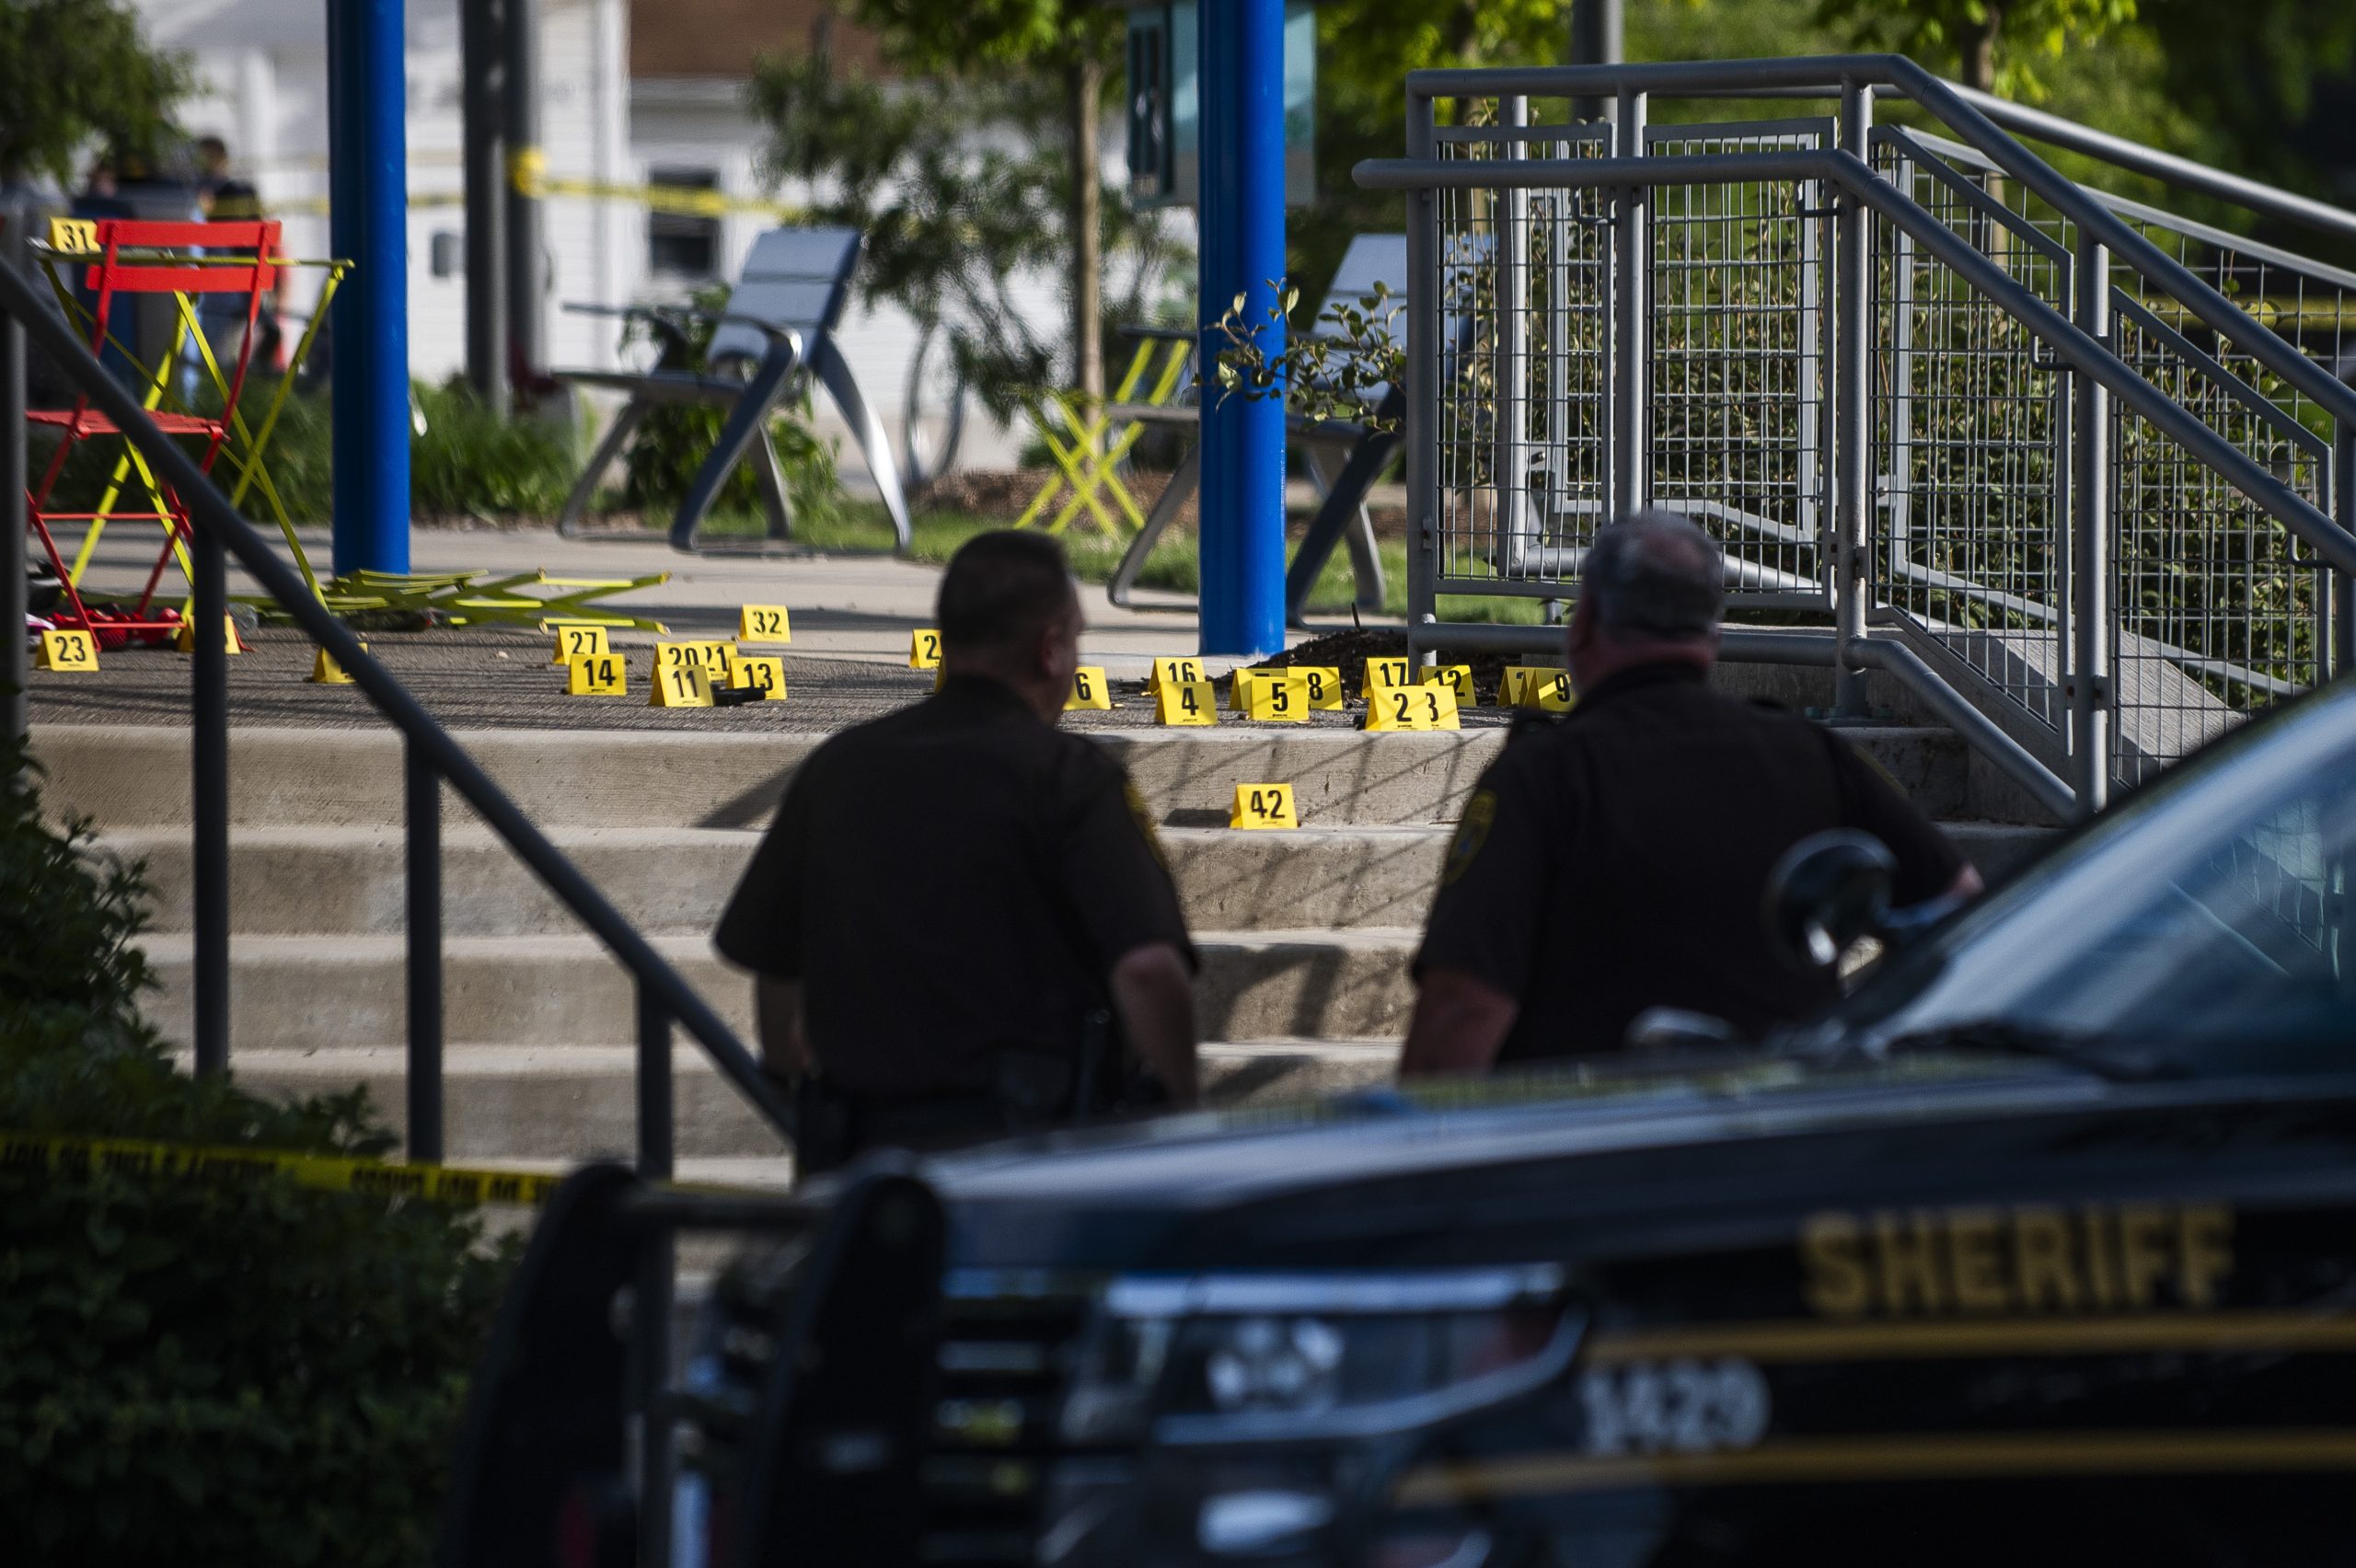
x=1830, y=74
x=433, y=756
x=1854, y=174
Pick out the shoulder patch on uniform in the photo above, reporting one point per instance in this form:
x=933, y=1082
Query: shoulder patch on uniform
x=1472, y=833
x=1143, y=816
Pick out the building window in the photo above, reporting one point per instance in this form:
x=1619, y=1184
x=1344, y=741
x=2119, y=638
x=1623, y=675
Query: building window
x=683, y=244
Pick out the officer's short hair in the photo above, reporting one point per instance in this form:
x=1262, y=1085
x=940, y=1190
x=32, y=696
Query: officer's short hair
x=1002, y=589
x=1654, y=573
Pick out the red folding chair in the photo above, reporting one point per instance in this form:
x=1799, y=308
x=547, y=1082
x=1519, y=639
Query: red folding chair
x=136, y=257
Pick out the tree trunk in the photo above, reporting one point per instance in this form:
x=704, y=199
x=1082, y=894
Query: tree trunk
x=1980, y=49
x=1980, y=70
x=1085, y=83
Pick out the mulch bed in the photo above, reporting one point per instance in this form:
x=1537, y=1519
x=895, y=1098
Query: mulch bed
x=1349, y=651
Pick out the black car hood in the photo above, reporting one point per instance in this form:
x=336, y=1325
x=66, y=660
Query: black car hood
x=1151, y=1176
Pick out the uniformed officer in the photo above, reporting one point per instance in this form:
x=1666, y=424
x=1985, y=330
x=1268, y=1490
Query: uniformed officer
x=956, y=900
x=1617, y=861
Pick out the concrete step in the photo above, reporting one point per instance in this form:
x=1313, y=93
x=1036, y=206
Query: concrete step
x=1998, y=848
x=578, y=1102
x=130, y=776
x=297, y=993
x=330, y=880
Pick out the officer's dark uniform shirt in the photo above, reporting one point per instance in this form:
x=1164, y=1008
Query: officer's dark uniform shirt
x=948, y=883
x=1618, y=860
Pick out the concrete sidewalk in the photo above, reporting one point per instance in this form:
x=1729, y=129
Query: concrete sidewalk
x=858, y=608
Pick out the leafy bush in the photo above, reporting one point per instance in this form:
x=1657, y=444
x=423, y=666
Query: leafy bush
x=190, y=1373
x=674, y=439
x=468, y=460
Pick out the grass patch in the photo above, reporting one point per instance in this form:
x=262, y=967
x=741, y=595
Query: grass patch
x=1173, y=566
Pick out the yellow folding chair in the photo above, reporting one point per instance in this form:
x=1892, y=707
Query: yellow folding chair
x=1093, y=443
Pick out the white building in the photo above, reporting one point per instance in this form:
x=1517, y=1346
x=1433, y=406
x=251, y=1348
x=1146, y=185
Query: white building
x=649, y=93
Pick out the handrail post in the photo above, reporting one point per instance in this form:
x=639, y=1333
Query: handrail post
x=1510, y=457
x=1424, y=281
x=1630, y=488
x=423, y=790
x=2341, y=652
x=651, y=1301
x=14, y=708
x=209, y=797
x=2091, y=712
x=1852, y=426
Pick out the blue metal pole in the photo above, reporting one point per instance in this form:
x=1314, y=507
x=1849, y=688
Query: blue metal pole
x=1242, y=179
x=368, y=223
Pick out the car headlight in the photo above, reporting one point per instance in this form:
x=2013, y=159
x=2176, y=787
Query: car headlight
x=1230, y=1358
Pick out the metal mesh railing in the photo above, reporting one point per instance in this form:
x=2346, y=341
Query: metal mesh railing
x=2213, y=613
x=1680, y=316
x=1740, y=321
x=1526, y=347
x=1971, y=431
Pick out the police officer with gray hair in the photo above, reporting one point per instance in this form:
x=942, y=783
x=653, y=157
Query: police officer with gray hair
x=1616, y=861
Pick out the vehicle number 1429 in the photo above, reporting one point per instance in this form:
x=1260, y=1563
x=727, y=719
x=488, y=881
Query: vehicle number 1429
x=1675, y=1407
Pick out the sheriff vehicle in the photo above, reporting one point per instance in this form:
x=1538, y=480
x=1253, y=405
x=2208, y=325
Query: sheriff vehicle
x=2041, y=1250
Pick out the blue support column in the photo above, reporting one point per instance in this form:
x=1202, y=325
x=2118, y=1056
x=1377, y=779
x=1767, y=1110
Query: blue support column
x=1242, y=196
x=368, y=223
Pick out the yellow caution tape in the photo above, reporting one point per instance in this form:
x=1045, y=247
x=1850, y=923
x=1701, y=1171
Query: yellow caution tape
x=237, y=1166
x=528, y=171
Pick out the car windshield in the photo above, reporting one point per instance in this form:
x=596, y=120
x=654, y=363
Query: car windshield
x=2206, y=919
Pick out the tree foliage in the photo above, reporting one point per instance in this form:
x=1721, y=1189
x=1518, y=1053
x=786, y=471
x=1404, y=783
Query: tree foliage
x=963, y=190
x=2244, y=76
x=943, y=37
x=192, y=1373
x=1994, y=45
x=75, y=71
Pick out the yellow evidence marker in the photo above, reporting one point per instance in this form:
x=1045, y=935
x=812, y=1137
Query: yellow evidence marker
x=1262, y=805
x=1282, y=699
x=1456, y=678
x=73, y=237
x=1188, y=702
x=1539, y=686
x=1426, y=706
x=325, y=670
x=719, y=658
x=74, y=652
x=1239, y=685
x=924, y=648
x=763, y=622
x=707, y=656
x=1174, y=671
x=682, y=685
x=1389, y=672
x=599, y=675
x=575, y=640
x=761, y=673
x=1324, y=686
x=1088, y=689
x=184, y=640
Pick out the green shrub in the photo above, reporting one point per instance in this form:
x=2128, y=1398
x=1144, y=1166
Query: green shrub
x=674, y=439
x=297, y=461
x=466, y=462
x=190, y=1373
